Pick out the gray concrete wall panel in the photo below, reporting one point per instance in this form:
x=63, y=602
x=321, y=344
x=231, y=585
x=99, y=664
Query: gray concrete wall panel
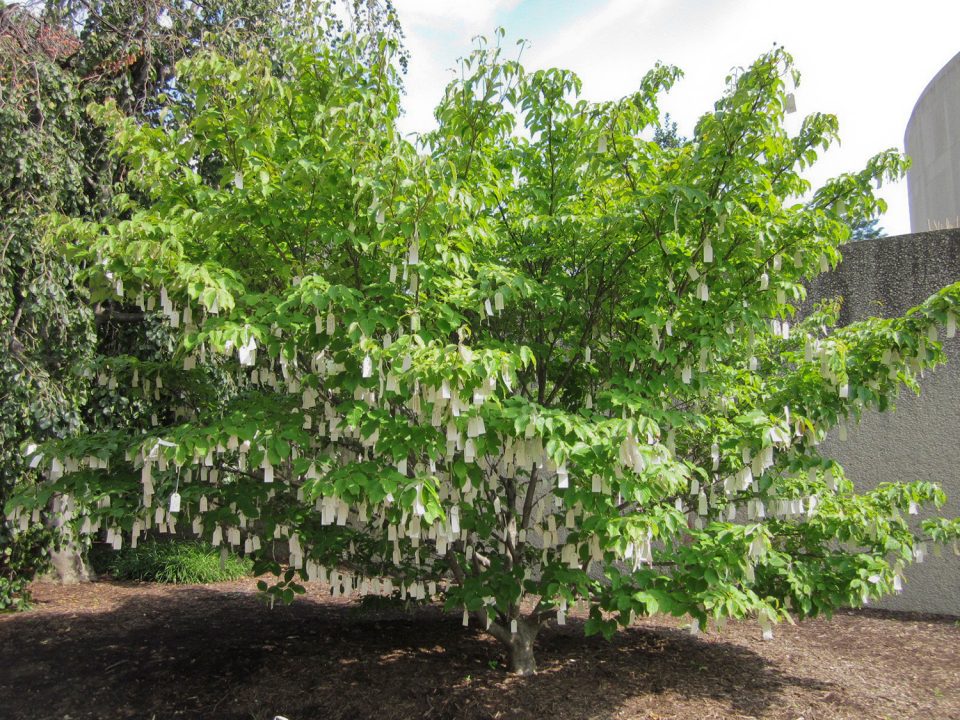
x=921, y=439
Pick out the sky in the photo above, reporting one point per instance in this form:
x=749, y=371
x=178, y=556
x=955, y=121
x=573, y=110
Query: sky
x=865, y=61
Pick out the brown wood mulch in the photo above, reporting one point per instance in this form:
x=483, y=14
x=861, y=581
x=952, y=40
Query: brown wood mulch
x=123, y=650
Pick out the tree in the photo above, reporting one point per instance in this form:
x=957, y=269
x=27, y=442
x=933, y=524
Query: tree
x=514, y=370
x=665, y=134
x=866, y=229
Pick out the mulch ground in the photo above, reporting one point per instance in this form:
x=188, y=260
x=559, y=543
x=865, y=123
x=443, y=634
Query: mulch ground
x=122, y=650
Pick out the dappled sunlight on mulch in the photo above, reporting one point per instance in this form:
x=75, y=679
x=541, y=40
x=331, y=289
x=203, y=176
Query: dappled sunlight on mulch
x=122, y=650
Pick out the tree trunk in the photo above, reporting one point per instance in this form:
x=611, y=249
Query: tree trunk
x=68, y=565
x=522, y=660
x=66, y=561
x=519, y=645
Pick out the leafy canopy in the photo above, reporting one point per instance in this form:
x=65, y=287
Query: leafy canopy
x=535, y=355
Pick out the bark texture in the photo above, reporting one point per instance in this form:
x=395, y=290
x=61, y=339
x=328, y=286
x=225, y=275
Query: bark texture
x=67, y=564
x=519, y=645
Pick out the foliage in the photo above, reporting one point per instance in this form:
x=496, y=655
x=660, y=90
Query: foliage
x=174, y=561
x=22, y=557
x=537, y=356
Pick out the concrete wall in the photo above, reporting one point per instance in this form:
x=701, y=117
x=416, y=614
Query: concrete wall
x=921, y=439
x=932, y=139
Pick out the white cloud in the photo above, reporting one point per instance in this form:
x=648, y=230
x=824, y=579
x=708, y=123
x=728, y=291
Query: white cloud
x=438, y=32
x=470, y=13
x=866, y=61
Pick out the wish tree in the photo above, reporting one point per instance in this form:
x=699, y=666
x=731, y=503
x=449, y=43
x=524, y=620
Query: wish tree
x=531, y=361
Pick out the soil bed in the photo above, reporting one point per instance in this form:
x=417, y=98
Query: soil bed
x=122, y=650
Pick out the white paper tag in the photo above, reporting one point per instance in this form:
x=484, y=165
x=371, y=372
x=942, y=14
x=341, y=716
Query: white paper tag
x=175, y=503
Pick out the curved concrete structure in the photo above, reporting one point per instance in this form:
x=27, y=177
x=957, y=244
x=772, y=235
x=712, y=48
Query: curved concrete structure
x=932, y=139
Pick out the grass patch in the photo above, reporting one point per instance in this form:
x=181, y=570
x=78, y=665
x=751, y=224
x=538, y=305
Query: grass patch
x=180, y=562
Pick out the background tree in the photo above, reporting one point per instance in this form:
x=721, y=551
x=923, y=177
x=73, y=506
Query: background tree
x=514, y=370
x=665, y=133
x=866, y=229
x=47, y=329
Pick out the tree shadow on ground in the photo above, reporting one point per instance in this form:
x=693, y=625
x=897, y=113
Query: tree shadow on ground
x=204, y=653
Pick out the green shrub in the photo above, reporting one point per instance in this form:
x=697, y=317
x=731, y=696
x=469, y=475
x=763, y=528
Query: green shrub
x=171, y=562
x=22, y=557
